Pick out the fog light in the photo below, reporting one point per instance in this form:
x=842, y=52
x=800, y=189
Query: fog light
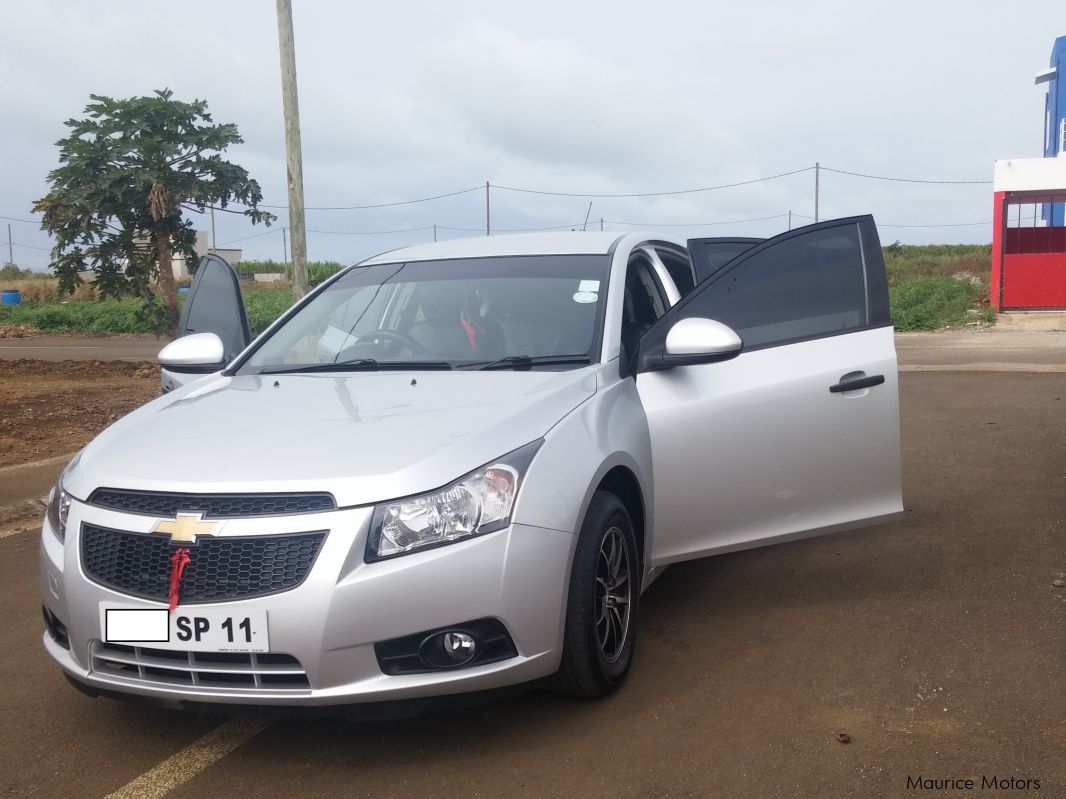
x=460, y=647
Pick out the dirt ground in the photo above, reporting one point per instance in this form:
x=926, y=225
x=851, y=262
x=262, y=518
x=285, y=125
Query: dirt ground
x=55, y=408
x=932, y=648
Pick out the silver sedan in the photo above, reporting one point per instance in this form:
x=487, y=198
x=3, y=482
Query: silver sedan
x=455, y=467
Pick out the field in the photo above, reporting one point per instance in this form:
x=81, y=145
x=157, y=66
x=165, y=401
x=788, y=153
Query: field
x=55, y=408
x=930, y=287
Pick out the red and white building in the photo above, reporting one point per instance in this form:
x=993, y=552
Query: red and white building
x=1028, y=253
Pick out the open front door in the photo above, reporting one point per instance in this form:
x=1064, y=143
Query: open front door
x=799, y=433
x=214, y=305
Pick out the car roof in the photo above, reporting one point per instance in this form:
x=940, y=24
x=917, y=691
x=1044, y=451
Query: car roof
x=565, y=243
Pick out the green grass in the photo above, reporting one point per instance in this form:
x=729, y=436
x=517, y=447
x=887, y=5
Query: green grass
x=934, y=285
x=81, y=316
x=264, y=305
x=928, y=303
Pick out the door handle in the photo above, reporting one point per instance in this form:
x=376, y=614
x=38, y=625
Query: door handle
x=857, y=383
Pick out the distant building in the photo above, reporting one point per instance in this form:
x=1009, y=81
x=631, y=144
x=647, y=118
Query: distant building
x=1055, y=119
x=181, y=268
x=1028, y=231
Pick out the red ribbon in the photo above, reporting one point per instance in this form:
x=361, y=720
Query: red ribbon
x=178, y=561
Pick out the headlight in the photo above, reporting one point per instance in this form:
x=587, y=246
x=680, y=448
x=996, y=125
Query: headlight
x=58, y=508
x=59, y=501
x=478, y=503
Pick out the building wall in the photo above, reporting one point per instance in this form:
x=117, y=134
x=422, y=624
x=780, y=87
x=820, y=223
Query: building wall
x=183, y=270
x=1054, y=118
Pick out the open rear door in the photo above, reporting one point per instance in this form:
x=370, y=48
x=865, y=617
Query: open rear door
x=214, y=305
x=710, y=255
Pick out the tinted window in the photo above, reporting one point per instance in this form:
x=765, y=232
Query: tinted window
x=710, y=255
x=811, y=284
x=214, y=305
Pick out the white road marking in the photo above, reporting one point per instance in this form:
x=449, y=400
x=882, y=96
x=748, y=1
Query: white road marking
x=46, y=347
x=181, y=767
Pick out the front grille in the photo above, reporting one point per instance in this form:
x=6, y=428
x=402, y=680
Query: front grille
x=220, y=569
x=212, y=506
x=265, y=672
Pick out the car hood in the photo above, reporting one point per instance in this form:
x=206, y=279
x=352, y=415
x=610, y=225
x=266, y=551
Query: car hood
x=363, y=437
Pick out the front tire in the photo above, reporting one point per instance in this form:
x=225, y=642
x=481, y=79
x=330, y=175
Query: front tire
x=603, y=603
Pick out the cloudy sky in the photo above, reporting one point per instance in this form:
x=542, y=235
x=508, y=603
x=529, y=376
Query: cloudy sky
x=406, y=100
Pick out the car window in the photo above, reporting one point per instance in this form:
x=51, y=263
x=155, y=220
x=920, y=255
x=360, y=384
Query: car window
x=811, y=284
x=711, y=254
x=460, y=311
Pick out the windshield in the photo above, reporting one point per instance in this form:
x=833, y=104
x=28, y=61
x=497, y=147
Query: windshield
x=446, y=314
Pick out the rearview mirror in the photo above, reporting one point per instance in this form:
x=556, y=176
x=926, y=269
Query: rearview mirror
x=199, y=353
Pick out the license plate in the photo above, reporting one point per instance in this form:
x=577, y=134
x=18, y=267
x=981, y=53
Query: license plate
x=197, y=630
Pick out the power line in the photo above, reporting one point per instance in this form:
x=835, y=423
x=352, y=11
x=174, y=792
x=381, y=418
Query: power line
x=253, y=236
x=946, y=224
x=695, y=224
x=907, y=180
x=378, y=205
x=32, y=247
x=655, y=193
x=27, y=221
x=371, y=232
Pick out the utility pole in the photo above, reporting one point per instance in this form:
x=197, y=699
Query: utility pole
x=589, y=211
x=817, y=169
x=10, y=252
x=434, y=233
x=601, y=224
x=488, y=226
x=293, y=151
x=790, y=220
x=214, y=241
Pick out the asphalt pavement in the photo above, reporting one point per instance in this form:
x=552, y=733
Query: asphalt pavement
x=841, y=666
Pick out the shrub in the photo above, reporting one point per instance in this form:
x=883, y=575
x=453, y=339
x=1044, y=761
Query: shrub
x=926, y=303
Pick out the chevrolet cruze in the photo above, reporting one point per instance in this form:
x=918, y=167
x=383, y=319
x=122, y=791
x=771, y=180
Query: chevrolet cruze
x=455, y=467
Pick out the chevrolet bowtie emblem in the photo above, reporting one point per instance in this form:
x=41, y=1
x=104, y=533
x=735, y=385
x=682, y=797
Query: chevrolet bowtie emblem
x=184, y=528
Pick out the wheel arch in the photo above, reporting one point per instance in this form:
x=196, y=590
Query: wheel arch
x=621, y=481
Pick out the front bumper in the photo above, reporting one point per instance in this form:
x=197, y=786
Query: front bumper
x=331, y=622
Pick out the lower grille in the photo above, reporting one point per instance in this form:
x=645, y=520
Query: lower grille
x=220, y=569
x=220, y=670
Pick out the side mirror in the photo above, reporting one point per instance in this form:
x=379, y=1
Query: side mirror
x=701, y=338
x=199, y=353
x=694, y=341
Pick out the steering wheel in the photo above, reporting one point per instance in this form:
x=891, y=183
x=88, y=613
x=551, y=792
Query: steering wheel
x=392, y=335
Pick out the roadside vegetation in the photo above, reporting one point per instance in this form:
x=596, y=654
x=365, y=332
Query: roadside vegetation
x=930, y=287
x=939, y=285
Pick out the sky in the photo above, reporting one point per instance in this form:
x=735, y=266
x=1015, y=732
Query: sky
x=406, y=100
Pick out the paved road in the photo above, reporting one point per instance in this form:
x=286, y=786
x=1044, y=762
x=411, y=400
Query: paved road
x=82, y=348
x=997, y=349
x=936, y=643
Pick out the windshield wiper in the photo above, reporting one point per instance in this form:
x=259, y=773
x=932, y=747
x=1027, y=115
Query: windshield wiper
x=528, y=361
x=356, y=365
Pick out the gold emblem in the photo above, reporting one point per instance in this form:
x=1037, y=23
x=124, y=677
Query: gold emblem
x=184, y=528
